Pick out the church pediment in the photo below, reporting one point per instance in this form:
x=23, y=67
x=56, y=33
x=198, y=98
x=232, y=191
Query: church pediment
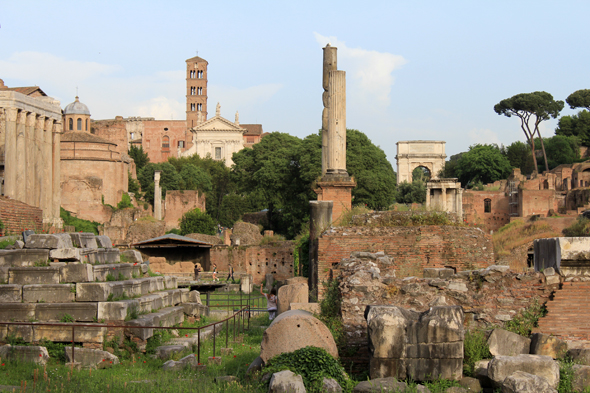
x=218, y=123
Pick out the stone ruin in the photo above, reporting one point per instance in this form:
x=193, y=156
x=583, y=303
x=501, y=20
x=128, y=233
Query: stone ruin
x=79, y=277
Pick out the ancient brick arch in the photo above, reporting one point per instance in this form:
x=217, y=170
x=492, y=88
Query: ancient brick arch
x=414, y=154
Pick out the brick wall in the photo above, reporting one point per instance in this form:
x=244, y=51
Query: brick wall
x=18, y=216
x=474, y=211
x=179, y=202
x=153, y=138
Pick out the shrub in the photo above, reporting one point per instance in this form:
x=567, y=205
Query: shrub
x=330, y=313
x=475, y=348
x=524, y=322
x=196, y=221
x=580, y=228
x=79, y=224
x=125, y=202
x=313, y=364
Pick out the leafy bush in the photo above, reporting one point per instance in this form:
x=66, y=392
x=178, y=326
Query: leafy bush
x=196, y=221
x=330, y=310
x=125, y=202
x=524, y=322
x=475, y=348
x=313, y=364
x=580, y=228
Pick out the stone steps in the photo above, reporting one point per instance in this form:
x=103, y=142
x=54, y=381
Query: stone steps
x=568, y=314
x=166, y=317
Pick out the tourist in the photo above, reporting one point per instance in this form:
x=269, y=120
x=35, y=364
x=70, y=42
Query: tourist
x=215, y=272
x=197, y=270
x=271, y=302
x=231, y=273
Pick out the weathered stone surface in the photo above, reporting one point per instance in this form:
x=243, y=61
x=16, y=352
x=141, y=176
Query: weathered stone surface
x=286, y=382
x=270, y=279
x=501, y=367
x=148, y=303
x=49, y=293
x=187, y=361
x=60, y=240
x=117, y=311
x=84, y=240
x=105, y=255
x=133, y=256
x=246, y=283
x=438, y=273
x=17, y=312
x=170, y=282
x=580, y=355
x=34, y=354
x=255, y=366
x=581, y=378
x=168, y=316
x=90, y=358
x=406, y=344
x=295, y=293
x=165, y=351
x=33, y=275
x=522, y=382
x=313, y=308
x=194, y=309
x=18, y=331
x=77, y=272
x=11, y=293
x=379, y=385
x=194, y=297
x=103, y=241
x=22, y=258
x=481, y=372
x=4, y=274
x=89, y=334
x=93, y=291
x=471, y=384
x=553, y=280
x=80, y=312
x=330, y=385
x=116, y=270
x=545, y=344
x=66, y=254
x=505, y=343
x=293, y=330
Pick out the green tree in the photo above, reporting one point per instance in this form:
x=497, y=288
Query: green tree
x=482, y=163
x=519, y=155
x=196, y=221
x=562, y=150
x=169, y=179
x=531, y=107
x=579, y=99
x=195, y=178
x=575, y=125
x=139, y=156
x=414, y=192
x=450, y=168
x=132, y=185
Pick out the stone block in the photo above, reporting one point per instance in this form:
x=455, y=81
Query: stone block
x=184, y=294
x=379, y=385
x=330, y=385
x=286, y=382
x=84, y=240
x=66, y=254
x=293, y=330
x=313, y=308
x=89, y=358
x=418, y=369
x=553, y=280
x=11, y=293
x=136, y=270
x=165, y=351
x=144, y=268
x=505, y=343
x=17, y=312
x=80, y=312
x=194, y=297
x=105, y=256
x=4, y=274
x=34, y=354
x=133, y=256
x=77, y=272
x=471, y=384
x=23, y=258
x=33, y=275
x=246, y=284
x=93, y=291
x=194, y=309
x=295, y=293
x=189, y=361
x=270, y=279
x=501, y=367
x=581, y=380
x=18, y=331
x=117, y=311
x=580, y=355
x=49, y=293
x=59, y=240
x=545, y=344
x=149, y=303
x=86, y=334
x=170, y=282
x=104, y=241
x=116, y=271
x=522, y=382
x=137, y=326
x=442, y=273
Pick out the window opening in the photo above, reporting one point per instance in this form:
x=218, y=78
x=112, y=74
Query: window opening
x=487, y=205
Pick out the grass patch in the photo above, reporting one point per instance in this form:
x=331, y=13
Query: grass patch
x=79, y=224
x=580, y=228
x=518, y=233
x=401, y=219
x=274, y=240
x=7, y=242
x=347, y=215
x=475, y=348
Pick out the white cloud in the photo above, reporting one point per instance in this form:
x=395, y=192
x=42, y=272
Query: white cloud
x=370, y=72
x=160, y=108
x=245, y=100
x=483, y=136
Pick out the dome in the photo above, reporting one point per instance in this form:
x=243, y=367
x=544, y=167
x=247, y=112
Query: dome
x=76, y=108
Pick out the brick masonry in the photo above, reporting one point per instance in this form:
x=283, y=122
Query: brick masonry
x=18, y=216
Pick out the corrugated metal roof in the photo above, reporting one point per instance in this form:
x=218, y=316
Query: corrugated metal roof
x=171, y=239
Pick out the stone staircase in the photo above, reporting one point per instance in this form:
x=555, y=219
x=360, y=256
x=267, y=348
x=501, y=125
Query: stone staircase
x=568, y=314
x=85, y=284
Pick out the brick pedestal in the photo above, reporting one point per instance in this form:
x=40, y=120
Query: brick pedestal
x=337, y=189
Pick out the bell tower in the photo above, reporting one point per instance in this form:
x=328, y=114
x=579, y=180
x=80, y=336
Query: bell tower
x=196, y=90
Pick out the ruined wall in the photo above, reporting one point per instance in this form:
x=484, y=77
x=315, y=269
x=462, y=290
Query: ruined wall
x=489, y=296
x=536, y=202
x=18, y=216
x=114, y=131
x=256, y=260
x=132, y=225
x=179, y=202
x=413, y=248
x=474, y=209
x=154, y=140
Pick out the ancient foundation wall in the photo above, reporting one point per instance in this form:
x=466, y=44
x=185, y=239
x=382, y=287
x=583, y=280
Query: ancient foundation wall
x=490, y=297
x=179, y=202
x=18, y=216
x=474, y=209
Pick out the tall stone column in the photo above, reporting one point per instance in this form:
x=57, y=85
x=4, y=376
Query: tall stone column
x=56, y=174
x=444, y=199
x=10, y=156
x=47, y=185
x=40, y=161
x=330, y=64
x=157, y=196
x=30, y=158
x=337, y=124
x=21, y=173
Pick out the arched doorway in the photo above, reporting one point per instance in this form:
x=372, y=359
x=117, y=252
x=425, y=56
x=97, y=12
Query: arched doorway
x=421, y=173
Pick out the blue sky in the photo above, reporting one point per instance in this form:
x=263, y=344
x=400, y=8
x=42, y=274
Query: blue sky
x=415, y=69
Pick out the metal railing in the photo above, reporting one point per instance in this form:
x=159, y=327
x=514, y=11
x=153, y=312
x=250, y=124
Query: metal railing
x=242, y=315
x=212, y=299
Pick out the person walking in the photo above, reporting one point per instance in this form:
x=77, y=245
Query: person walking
x=231, y=273
x=197, y=271
x=215, y=272
x=271, y=302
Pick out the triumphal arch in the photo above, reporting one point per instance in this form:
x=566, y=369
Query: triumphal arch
x=413, y=154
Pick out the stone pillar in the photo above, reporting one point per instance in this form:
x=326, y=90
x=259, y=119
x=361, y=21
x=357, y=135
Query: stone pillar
x=47, y=185
x=30, y=158
x=56, y=175
x=443, y=194
x=21, y=173
x=319, y=220
x=157, y=196
x=337, y=124
x=459, y=201
x=10, y=156
x=330, y=64
x=428, y=201
x=40, y=160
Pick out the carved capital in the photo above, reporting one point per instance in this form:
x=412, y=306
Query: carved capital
x=11, y=114
x=48, y=124
x=31, y=119
x=22, y=117
x=40, y=122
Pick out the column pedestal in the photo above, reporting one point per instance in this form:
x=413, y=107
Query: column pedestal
x=337, y=189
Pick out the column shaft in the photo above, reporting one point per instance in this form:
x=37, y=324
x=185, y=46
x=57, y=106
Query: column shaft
x=337, y=123
x=47, y=185
x=40, y=162
x=30, y=158
x=10, y=166
x=56, y=173
x=21, y=156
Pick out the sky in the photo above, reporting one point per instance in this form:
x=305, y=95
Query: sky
x=415, y=70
